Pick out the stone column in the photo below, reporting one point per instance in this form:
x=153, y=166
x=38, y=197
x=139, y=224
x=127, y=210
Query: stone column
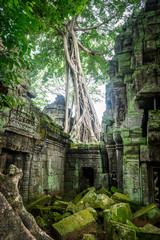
x=26, y=178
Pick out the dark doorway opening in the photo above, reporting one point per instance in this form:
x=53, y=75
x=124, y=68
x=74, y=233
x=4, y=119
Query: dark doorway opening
x=87, y=177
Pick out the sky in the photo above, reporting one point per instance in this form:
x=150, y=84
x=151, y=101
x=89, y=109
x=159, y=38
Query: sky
x=99, y=106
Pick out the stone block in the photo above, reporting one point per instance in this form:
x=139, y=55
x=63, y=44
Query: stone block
x=149, y=214
x=41, y=201
x=119, y=197
x=149, y=232
x=122, y=231
x=88, y=237
x=119, y=212
x=73, y=227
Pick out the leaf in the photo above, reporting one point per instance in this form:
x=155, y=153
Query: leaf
x=16, y=2
x=37, y=59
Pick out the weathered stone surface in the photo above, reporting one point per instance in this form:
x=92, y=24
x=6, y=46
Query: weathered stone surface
x=91, y=199
x=120, y=212
x=43, y=201
x=149, y=214
x=60, y=205
x=122, y=231
x=131, y=123
x=104, y=191
x=74, y=226
x=88, y=237
x=119, y=197
x=149, y=232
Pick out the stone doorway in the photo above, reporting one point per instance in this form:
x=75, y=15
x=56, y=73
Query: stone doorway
x=87, y=177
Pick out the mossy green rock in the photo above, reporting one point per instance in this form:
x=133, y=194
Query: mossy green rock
x=149, y=214
x=91, y=199
x=43, y=201
x=119, y=197
x=120, y=212
x=102, y=201
x=74, y=226
x=122, y=231
x=41, y=223
x=149, y=232
x=71, y=208
x=104, y=191
x=114, y=189
x=88, y=200
x=60, y=205
x=79, y=196
x=88, y=237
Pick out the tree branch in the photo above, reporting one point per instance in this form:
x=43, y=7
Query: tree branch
x=90, y=28
x=98, y=25
x=89, y=51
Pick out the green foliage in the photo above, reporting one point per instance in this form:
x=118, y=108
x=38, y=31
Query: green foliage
x=16, y=21
x=51, y=70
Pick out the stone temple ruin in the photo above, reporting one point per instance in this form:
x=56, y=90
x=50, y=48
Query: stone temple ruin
x=128, y=156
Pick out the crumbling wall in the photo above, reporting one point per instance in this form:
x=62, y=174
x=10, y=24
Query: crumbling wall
x=85, y=167
x=33, y=142
x=131, y=122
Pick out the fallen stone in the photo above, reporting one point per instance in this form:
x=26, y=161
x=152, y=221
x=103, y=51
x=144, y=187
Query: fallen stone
x=75, y=226
x=114, y=189
x=119, y=197
x=88, y=200
x=88, y=237
x=40, y=221
x=122, y=231
x=149, y=214
x=120, y=212
x=43, y=201
x=60, y=205
x=71, y=208
x=104, y=191
x=80, y=195
x=91, y=199
x=149, y=232
x=40, y=210
x=102, y=201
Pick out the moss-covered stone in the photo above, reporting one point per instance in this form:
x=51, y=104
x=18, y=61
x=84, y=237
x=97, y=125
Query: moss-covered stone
x=122, y=231
x=114, y=189
x=79, y=196
x=74, y=226
x=149, y=232
x=88, y=237
x=40, y=221
x=104, y=191
x=149, y=214
x=60, y=205
x=45, y=200
x=119, y=212
x=119, y=197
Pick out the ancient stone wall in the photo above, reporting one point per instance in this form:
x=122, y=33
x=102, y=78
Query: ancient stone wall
x=131, y=121
x=84, y=167
x=33, y=142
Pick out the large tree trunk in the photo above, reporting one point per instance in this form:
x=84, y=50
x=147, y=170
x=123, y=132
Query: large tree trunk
x=21, y=224
x=86, y=127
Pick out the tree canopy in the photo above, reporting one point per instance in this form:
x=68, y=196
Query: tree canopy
x=73, y=43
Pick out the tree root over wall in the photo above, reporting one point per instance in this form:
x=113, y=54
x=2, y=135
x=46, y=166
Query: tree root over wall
x=15, y=222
